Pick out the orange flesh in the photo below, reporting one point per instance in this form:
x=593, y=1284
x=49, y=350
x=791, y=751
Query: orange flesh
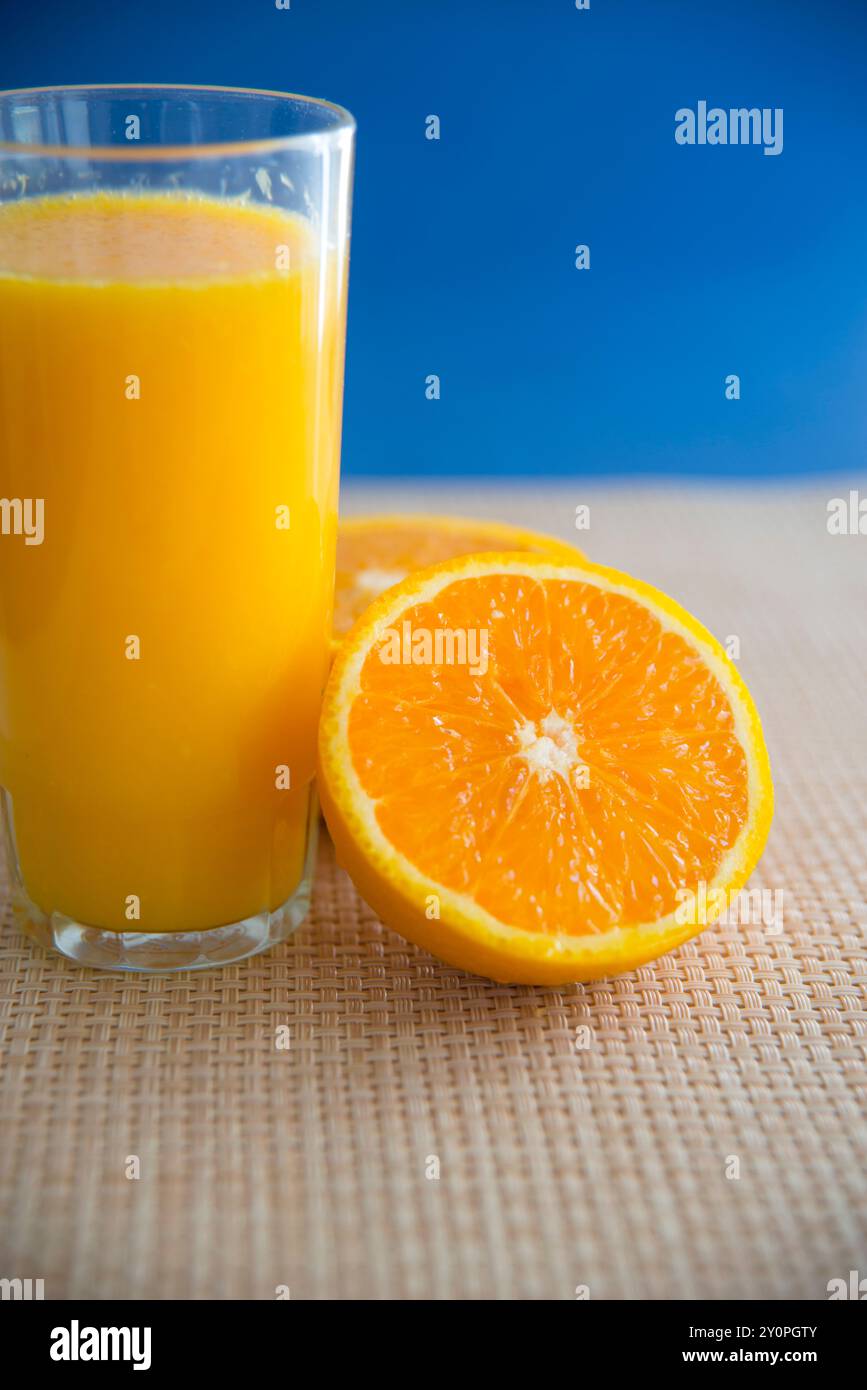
x=590, y=773
x=370, y=561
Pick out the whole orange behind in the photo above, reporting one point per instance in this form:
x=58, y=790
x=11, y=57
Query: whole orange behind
x=559, y=805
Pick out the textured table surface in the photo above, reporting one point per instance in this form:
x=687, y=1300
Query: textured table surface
x=558, y=1166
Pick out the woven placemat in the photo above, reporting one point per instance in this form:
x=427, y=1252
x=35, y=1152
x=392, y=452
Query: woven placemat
x=609, y=1166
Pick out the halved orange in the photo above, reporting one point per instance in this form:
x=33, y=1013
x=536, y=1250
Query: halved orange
x=374, y=552
x=554, y=800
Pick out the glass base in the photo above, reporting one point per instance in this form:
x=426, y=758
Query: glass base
x=162, y=952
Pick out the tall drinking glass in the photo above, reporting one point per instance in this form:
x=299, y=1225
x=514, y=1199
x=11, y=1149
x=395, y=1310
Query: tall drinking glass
x=173, y=267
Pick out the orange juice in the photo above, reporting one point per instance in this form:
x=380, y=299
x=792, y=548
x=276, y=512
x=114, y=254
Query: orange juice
x=170, y=391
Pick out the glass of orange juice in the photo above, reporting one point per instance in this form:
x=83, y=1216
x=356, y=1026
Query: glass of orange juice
x=173, y=269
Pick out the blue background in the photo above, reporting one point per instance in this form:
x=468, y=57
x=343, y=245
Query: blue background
x=558, y=128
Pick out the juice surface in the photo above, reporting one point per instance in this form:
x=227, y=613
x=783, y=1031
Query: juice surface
x=172, y=392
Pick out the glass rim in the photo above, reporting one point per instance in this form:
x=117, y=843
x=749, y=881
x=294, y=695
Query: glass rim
x=344, y=123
